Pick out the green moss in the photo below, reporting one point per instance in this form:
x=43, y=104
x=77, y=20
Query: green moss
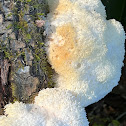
x=29, y=35
x=14, y=92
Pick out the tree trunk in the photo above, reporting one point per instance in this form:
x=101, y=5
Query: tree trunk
x=24, y=69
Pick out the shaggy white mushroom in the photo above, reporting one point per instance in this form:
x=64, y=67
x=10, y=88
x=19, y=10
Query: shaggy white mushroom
x=20, y=114
x=52, y=107
x=63, y=106
x=87, y=52
x=85, y=49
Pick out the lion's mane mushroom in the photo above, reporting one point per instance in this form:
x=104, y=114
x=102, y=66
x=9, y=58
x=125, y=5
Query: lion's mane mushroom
x=52, y=107
x=62, y=107
x=87, y=52
x=85, y=49
x=20, y=114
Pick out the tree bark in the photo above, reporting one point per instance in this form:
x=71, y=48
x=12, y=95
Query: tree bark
x=24, y=69
x=5, y=91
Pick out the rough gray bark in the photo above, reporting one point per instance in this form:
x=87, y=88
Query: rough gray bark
x=22, y=49
x=5, y=90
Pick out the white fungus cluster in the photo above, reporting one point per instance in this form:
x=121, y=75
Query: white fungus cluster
x=52, y=107
x=87, y=52
x=85, y=49
x=62, y=107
